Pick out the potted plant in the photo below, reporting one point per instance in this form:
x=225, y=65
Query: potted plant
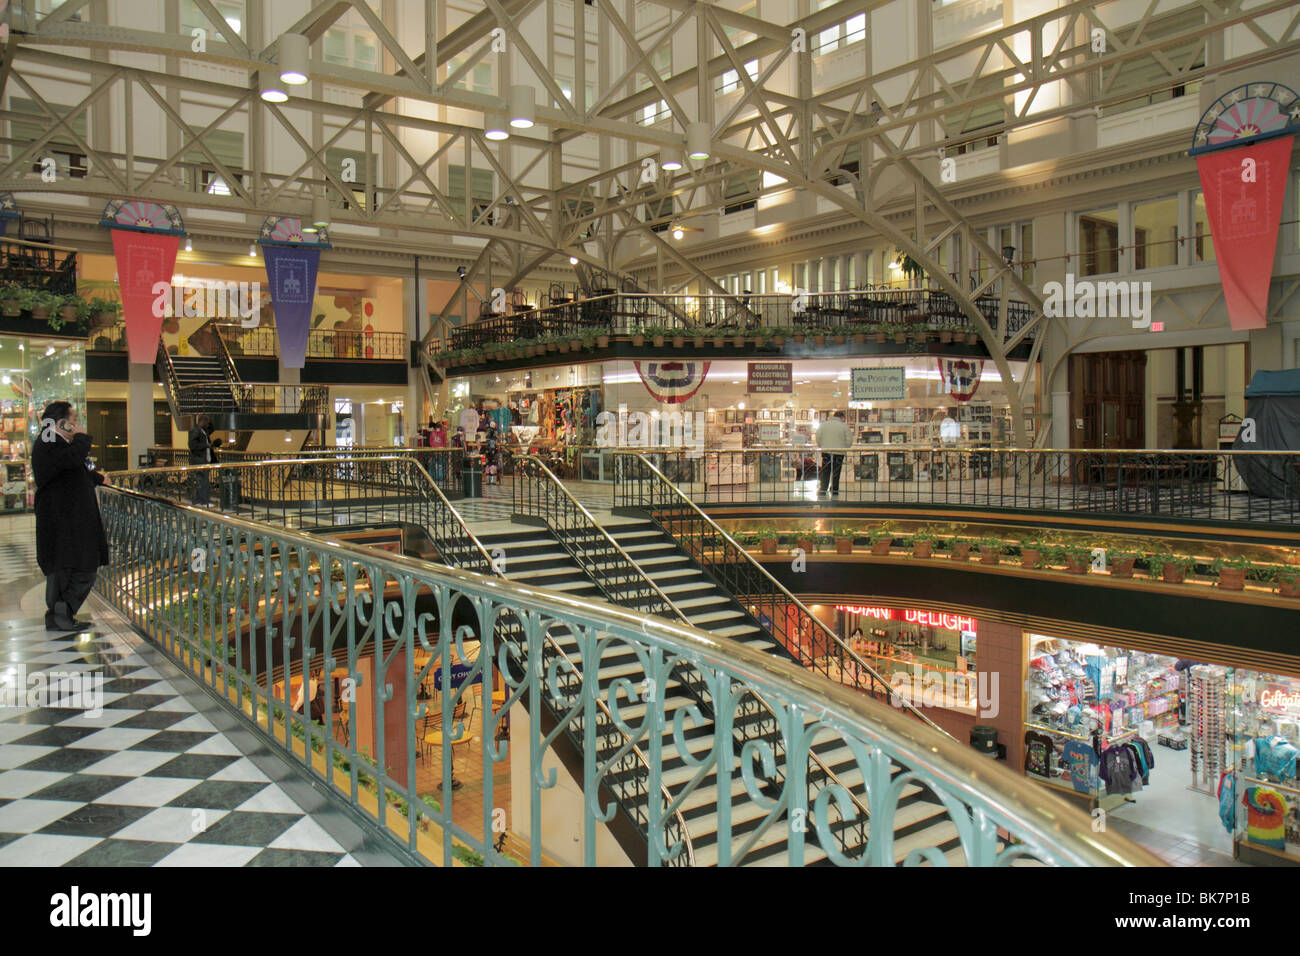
x=961, y=549
x=1171, y=568
x=945, y=334
x=738, y=337
x=1288, y=582
x=699, y=338
x=990, y=550
x=806, y=541
x=972, y=338
x=11, y=300
x=1077, y=559
x=1031, y=553
x=679, y=338
x=798, y=333
x=40, y=304
x=840, y=335
x=768, y=540
x=819, y=337
x=73, y=308
x=900, y=334
x=602, y=340
x=1120, y=563
x=720, y=337
x=778, y=335
x=880, y=333
x=638, y=336
x=657, y=334
x=922, y=544
x=844, y=540
x=881, y=538
x=1232, y=572
x=575, y=341
x=553, y=344
x=562, y=345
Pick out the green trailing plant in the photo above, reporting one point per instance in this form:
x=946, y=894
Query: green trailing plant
x=880, y=532
x=990, y=543
x=845, y=531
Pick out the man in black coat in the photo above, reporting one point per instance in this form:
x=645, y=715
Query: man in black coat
x=70, y=539
x=201, y=454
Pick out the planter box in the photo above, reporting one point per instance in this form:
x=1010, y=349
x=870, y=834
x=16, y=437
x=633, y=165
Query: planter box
x=1232, y=579
x=900, y=338
x=879, y=337
x=859, y=338
x=798, y=338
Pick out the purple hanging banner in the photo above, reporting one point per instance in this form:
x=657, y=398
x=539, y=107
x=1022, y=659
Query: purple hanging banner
x=291, y=270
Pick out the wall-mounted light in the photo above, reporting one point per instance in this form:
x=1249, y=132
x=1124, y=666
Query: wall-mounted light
x=288, y=436
x=252, y=250
x=698, y=141
x=320, y=212
x=495, y=127
x=189, y=244
x=671, y=159
x=293, y=58
x=523, y=107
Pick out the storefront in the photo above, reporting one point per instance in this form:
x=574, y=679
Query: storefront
x=1199, y=750
x=916, y=401
x=33, y=373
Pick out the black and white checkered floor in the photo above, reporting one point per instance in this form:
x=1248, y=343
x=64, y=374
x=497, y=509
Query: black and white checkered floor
x=136, y=774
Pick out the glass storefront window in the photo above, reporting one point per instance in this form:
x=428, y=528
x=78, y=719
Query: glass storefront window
x=33, y=373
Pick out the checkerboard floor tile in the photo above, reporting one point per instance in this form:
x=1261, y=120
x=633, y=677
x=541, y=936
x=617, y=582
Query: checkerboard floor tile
x=140, y=780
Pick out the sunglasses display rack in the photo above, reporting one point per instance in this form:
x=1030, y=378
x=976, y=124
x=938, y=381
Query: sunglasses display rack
x=1206, y=713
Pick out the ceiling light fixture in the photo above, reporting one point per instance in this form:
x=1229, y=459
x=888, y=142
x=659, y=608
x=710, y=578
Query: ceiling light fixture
x=671, y=159
x=189, y=244
x=495, y=127
x=252, y=250
x=678, y=233
x=293, y=58
x=320, y=212
x=523, y=107
x=698, y=137
x=272, y=89
x=573, y=260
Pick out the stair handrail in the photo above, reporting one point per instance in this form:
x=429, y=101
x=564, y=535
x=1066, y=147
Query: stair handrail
x=757, y=566
x=233, y=381
x=556, y=484
x=136, y=479
x=171, y=387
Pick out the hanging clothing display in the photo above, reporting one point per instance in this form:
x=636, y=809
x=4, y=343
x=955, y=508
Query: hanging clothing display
x=1275, y=757
x=1265, y=817
x=1038, y=754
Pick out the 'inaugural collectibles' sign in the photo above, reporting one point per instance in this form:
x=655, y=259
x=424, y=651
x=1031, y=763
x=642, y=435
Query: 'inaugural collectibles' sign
x=291, y=270
x=879, y=384
x=143, y=259
x=771, y=377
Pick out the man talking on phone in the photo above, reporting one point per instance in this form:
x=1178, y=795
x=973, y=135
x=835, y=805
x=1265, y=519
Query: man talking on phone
x=70, y=540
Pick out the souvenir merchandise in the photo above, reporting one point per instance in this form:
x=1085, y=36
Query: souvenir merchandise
x=1266, y=812
x=1206, y=695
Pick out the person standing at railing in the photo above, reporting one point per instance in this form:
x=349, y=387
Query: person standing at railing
x=70, y=539
x=200, y=441
x=832, y=434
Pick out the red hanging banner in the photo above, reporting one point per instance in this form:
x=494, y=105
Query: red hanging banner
x=143, y=259
x=1243, y=188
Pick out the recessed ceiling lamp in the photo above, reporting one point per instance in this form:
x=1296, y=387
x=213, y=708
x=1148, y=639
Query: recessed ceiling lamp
x=293, y=59
x=523, y=107
x=272, y=88
x=671, y=159
x=495, y=127
x=698, y=137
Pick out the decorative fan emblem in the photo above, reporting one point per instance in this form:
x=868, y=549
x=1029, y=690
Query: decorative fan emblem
x=1248, y=112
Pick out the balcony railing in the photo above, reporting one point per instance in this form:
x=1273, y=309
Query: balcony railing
x=242, y=606
x=251, y=398
x=624, y=313
x=38, y=265
x=262, y=342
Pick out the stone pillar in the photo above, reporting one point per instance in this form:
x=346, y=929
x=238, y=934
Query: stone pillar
x=139, y=411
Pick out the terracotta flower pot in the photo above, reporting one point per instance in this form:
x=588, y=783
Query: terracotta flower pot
x=900, y=338
x=69, y=313
x=575, y=345
x=1077, y=567
x=738, y=341
x=552, y=346
x=11, y=307
x=879, y=337
x=945, y=336
x=859, y=338
x=719, y=342
x=799, y=337
x=1122, y=569
x=922, y=549
x=1030, y=557
x=972, y=338
x=841, y=339
x=638, y=340
x=881, y=546
x=990, y=555
x=1289, y=589
x=778, y=341
x=843, y=545
x=679, y=341
x=563, y=347
x=602, y=341
x=40, y=312
x=699, y=341
x=767, y=547
x=961, y=552
x=1173, y=574
x=658, y=341
x=807, y=545
x=819, y=339
x=1232, y=579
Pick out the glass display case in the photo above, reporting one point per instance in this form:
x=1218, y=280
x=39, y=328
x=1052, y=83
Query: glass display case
x=33, y=373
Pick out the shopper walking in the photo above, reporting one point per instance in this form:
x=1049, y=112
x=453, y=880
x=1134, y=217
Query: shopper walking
x=70, y=540
x=832, y=434
x=201, y=454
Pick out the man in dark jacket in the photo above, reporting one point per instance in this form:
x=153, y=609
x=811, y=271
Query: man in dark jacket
x=201, y=454
x=70, y=540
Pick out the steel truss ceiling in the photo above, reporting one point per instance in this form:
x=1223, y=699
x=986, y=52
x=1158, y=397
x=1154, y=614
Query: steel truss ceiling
x=798, y=137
